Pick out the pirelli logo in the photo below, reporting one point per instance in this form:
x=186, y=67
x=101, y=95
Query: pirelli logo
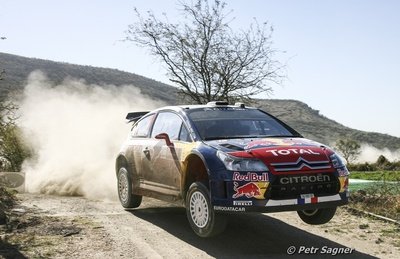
x=242, y=203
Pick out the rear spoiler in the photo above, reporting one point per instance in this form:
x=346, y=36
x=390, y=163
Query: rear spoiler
x=135, y=116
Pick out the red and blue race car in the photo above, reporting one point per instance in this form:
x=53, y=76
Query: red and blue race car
x=217, y=159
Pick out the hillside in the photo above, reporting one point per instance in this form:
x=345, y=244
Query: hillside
x=311, y=124
x=297, y=114
x=18, y=68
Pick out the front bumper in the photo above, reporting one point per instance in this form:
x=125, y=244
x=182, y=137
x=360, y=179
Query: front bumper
x=264, y=206
x=262, y=192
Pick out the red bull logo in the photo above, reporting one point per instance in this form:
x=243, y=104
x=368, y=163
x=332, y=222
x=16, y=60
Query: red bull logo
x=249, y=190
x=253, y=177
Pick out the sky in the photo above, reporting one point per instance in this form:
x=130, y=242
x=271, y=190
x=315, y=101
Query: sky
x=343, y=56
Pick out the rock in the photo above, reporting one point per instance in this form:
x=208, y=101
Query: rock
x=18, y=210
x=363, y=226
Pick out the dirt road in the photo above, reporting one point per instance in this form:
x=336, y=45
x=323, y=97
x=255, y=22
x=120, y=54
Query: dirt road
x=74, y=227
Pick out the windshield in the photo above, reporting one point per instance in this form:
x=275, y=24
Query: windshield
x=229, y=122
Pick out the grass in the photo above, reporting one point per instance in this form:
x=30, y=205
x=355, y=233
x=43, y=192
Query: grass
x=44, y=236
x=381, y=197
x=393, y=233
x=376, y=175
x=33, y=245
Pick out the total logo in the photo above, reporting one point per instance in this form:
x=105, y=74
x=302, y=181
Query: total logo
x=289, y=151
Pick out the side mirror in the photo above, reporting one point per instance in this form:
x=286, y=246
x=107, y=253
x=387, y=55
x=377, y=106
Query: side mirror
x=166, y=138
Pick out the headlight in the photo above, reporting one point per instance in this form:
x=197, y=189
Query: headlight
x=337, y=161
x=241, y=164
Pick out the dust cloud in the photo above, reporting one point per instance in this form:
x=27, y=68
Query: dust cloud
x=371, y=154
x=75, y=131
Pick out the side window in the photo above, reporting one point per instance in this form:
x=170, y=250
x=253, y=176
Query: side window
x=141, y=129
x=184, y=134
x=167, y=122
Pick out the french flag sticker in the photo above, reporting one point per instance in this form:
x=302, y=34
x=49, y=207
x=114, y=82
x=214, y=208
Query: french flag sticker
x=307, y=199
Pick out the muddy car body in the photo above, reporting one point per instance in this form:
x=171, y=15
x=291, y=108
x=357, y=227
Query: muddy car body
x=217, y=158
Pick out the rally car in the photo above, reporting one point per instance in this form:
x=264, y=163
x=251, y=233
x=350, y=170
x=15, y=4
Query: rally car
x=217, y=159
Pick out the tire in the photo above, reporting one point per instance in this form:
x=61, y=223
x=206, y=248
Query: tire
x=202, y=218
x=317, y=216
x=126, y=197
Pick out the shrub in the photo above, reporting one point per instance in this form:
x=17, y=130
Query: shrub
x=7, y=201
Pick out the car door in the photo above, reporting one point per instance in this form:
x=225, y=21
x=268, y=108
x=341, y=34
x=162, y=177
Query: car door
x=161, y=165
x=137, y=140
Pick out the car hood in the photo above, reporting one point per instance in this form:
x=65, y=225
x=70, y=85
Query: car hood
x=279, y=154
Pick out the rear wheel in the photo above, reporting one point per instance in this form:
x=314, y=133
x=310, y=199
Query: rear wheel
x=317, y=216
x=126, y=197
x=202, y=218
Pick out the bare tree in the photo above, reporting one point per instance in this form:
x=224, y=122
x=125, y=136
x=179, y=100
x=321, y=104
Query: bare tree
x=349, y=149
x=205, y=58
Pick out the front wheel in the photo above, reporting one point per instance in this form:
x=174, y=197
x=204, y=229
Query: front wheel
x=317, y=216
x=202, y=218
x=126, y=197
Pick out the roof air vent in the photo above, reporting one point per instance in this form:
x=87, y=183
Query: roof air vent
x=216, y=103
